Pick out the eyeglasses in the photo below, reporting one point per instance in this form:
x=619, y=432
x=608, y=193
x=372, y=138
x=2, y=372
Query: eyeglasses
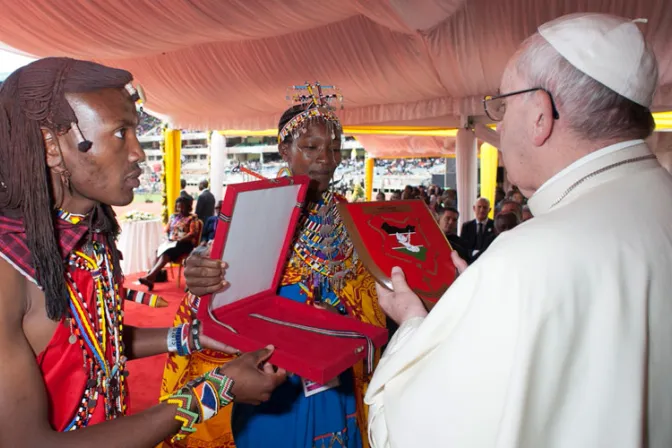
x=495, y=105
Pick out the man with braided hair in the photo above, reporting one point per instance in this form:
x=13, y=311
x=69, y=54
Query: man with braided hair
x=68, y=152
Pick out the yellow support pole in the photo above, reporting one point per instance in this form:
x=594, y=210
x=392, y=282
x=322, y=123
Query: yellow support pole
x=369, y=164
x=489, y=164
x=173, y=151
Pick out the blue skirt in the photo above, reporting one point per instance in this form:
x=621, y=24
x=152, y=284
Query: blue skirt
x=292, y=420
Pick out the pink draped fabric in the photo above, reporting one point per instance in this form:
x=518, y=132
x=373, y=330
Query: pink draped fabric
x=226, y=64
x=406, y=146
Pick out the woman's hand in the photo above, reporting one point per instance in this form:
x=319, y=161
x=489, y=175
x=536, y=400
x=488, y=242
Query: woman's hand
x=402, y=303
x=212, y=344
x=203, y=274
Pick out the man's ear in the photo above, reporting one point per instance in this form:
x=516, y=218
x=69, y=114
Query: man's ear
x=53, y=149
x=544, y=121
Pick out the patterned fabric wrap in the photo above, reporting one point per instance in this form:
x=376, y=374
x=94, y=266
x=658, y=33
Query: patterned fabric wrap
x=358, y=294
x=180, y=226
x=14, y=246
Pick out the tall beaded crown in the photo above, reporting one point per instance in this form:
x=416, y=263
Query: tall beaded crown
x=318, y=102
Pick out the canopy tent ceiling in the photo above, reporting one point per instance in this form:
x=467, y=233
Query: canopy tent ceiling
x=226, y=64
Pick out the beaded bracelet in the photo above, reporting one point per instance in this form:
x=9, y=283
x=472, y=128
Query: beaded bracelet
x=172, y=339
x=195, y=334
x=178, y=340
x=184, y=414
x=224, y=386
x=183, y=348
x=212, y=392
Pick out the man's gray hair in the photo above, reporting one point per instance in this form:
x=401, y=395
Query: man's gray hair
x=594, y=111
x=487, y=201
x=519, y=207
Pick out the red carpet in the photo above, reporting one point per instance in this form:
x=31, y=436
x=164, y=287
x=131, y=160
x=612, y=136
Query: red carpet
x=145, y=374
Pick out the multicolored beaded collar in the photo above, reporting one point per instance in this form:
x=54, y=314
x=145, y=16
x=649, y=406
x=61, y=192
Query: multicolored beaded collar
x=323, y=251
x=71, y=218
x=99, y=331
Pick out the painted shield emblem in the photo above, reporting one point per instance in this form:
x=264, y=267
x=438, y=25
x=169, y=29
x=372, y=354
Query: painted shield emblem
x=404, y=234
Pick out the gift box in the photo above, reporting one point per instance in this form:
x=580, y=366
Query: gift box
x=256, y=228
x=404, y=234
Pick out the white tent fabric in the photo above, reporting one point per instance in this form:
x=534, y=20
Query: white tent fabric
x=226, y=64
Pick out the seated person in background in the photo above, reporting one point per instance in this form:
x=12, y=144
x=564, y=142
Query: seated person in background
x=211, y=224
x=449, y=196
x=183, y=231
x=511, y=206
x=527, y=213
x=380, y=197
x=516, y=196
x=448, y=218
x=503, y=223
x=499, y=195
x=395, y=196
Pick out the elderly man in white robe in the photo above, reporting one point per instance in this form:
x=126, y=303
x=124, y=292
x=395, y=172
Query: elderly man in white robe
x=576, y=351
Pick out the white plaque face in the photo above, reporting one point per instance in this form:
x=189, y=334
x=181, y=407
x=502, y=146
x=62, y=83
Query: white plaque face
x=254, y=243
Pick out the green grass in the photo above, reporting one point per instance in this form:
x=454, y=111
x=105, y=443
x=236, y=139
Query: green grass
x=143, y=198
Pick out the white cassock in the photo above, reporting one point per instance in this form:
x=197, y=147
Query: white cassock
x=559, y=336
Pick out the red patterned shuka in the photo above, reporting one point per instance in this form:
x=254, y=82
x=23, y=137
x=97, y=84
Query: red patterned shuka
x=83, y=366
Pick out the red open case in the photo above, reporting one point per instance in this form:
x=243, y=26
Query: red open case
x=404, y=234
x=255, y=230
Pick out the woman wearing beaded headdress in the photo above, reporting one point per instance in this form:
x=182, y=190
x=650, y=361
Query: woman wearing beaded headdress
x=323, y=271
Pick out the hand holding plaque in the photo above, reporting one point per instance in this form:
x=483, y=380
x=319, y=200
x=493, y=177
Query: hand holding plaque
x=401, y=303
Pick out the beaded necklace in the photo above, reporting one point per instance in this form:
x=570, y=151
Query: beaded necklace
x=98, y=331
x=323, y=252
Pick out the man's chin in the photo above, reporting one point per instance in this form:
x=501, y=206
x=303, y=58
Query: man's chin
x=122, y=201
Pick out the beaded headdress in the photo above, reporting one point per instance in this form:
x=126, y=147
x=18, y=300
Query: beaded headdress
x=318, y=106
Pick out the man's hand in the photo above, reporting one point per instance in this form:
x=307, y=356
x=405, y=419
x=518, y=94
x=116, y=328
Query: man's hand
x=402, y=303
x=203, y=274
x=459, y=263
x=254, y=378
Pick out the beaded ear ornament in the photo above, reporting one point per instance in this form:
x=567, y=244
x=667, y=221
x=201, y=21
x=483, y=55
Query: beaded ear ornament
x=318, y=103
x=137, y=96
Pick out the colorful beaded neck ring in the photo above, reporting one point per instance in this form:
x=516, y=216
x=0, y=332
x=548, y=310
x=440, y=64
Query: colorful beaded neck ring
x=323, y=251
x=99, y=331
